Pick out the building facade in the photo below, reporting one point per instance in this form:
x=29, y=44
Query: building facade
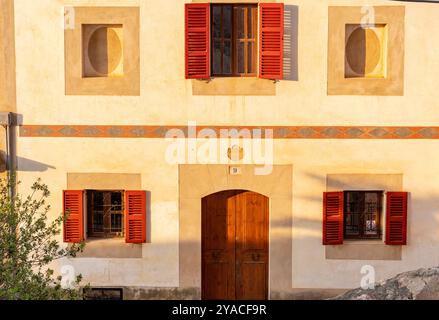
x=228, y=149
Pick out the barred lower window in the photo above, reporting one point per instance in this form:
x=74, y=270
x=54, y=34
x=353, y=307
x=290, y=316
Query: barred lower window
x=115, y=294
x=105, y=214
x=362, y=218
x=234, y=40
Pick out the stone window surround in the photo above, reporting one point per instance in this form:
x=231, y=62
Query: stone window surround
x=230, y=86
x=126, y=85
x=364, y=249
x=393, y=84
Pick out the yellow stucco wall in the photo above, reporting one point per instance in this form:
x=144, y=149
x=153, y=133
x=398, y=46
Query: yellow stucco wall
x=312, y=161
x=167, y=98
x=7, y=56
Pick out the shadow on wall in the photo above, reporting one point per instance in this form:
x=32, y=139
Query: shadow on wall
x=21, y=164
x=291, y=43
x=26, y=165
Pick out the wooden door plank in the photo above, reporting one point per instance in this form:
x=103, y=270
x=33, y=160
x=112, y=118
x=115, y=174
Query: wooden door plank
x=252, y=246
x=218, y=246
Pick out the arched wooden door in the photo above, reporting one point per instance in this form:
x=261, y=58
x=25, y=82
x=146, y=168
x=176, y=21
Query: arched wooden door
x=235, y=246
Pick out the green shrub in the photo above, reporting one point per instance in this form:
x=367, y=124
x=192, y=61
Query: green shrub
x=28, y=245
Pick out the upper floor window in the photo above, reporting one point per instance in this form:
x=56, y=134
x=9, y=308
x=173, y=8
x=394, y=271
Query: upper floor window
x=234, y=40
x=228, y=40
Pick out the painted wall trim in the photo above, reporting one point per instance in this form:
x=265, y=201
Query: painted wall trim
x=279, y=132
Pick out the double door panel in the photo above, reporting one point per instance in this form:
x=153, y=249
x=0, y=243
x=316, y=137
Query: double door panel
x=235, y=246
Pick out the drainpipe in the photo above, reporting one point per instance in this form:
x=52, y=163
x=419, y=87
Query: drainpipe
x=7, y=120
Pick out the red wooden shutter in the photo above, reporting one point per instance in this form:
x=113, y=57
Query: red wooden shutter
x=271, y=40
x=73, y=207
x=396, y=218
x=135, y=216
x=332, y=218
x=197, y=41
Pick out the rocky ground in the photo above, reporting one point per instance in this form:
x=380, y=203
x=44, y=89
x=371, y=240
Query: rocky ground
x=422, y=284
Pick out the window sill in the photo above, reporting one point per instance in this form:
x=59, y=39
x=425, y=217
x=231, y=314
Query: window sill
x=111, y=248
x=234, y=86
x=364, y=241
x=363, y=250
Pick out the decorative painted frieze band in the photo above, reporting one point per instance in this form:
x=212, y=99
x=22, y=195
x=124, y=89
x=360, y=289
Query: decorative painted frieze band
x=278, y=132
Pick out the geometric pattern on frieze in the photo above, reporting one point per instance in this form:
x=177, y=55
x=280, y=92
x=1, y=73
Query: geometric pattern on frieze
x=279, y=132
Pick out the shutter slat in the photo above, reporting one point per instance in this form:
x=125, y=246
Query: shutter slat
x=333, y=218
x=197, y=41
x=135, y=216
x=73, y=202
x=271, y=38
x=396, y=218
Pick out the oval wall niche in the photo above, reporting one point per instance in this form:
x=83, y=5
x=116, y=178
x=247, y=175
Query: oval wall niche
x=103, y=52
x=365, y=52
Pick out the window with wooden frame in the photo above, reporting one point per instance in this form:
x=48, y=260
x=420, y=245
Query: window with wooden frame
x=357, y=215
x=234, y=40
x=362, y=214
x=105, y=214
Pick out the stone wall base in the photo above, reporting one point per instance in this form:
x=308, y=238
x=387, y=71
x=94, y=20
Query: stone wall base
x=143, y=293
x=147, y=293
x=307, y=294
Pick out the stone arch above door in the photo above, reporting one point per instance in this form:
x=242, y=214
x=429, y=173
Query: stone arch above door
x=199, y=181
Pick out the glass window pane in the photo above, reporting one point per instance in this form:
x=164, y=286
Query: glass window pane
x=116, y=201
x=217, y=21
x=98, y=221
x=98, y=198
x=250, y=31
x=116, y=221
x=250, y=61
x=97, y=212
x=352, y=214
x=239, y=16
x=241, y=54
x=371, y=214
x=216, y=57
x=227, y=63
x=227, y=22
x=98, y=201
x=352, y=225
